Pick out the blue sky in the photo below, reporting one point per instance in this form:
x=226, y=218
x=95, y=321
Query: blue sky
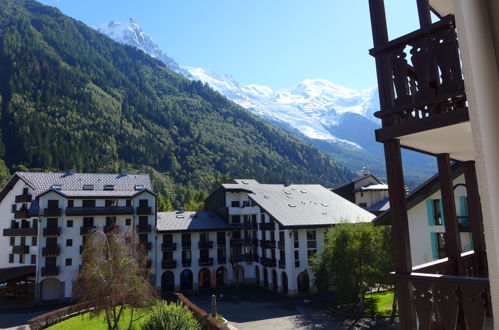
x=277, y=43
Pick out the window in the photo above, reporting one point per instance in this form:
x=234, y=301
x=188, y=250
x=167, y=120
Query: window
x=129, y=203
x=12, y=241
x=14, y=224
x=221, y=237
x=21, y=258
x=282, y=256
x=109, y=187
x=88, y=187
x=25, y=191
x=204, y=254
x=128, y=222
x=168, y=239
x=33, y=259
x=34, y=241
x=236, y=219
x=186, y=256
x=53, y=204
x=234, y=204
x=168, y=255
x=204, y=237
x=71, y=203
x=14, y=208
x=186, y=240
x=310, y=253
x=69, y=242
x=437, y=212
x=23, y=241
x=88, y=222
x=69, y=223
x=69, y=261
x=111, y=203
x=363, y=204
x=442, y=253
x=236, y=235
x=143, y=203
x=296, y=242
x=11, y=258
x=88, y=203
x=221, y=253
x=297, y=258
x=311, y=239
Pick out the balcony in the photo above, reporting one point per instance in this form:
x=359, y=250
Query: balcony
x=186, y=262
x=205, y=244
x=268, y=244
x=420, y=81
x=99, y=210
x=51, y=251
x=144, y=210
x=50, y=271
x=20, y=249
x=168, y=264
x=249, y=258
x=267, y=226
x=222, y=261
x=282, y=264
x=242, y=241
x=143, y=228
x=51, y=231
x=51, y=212
x=268, y=262
x=20, y=231
x=169, y=246
x=23, y=198
x=236, y=258
x=86, y=230
x=21, y=214
x=205, y=261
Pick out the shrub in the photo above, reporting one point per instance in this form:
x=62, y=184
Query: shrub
x=170, y=317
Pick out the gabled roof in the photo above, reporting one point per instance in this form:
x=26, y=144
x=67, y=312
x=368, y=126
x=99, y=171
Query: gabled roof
x=190, y=221
x=357, y=180
x=421, y=193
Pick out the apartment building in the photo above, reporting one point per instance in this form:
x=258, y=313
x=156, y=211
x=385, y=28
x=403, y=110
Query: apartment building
x=438, y=90
x=47, y=216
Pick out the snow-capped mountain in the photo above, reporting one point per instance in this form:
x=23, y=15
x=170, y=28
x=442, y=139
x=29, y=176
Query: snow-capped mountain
x=335, y=119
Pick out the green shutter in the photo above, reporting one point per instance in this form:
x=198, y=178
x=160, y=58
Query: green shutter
x=442, y=212
x=429, y=210
x=434, y=251
x=463, y=206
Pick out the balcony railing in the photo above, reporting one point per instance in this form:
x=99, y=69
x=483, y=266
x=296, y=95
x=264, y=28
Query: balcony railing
x=85, y=230
x=205, y=261
x=51, y=212
x=51, y=231
x=21, y=214
x=267, y=244
x=168, y=264
x=50, y=251
x=144, y=210
x=23, y=198
x=169, y=246
x=421, y=81
x=267, y=226
x=99, y=210
x=205, y=244
x=143, y=228
x=249, y=257
x=20, y=249
x=50, y=271
x=20, y=231
x=268, y=262
x=242, y=241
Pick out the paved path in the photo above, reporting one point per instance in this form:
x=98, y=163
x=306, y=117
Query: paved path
x=13, y=316
x=259, y=309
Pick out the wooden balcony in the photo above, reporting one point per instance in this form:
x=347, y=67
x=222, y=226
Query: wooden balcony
x=20, y=231
x=23, y=198
x=268, y=244
x=144, y=228
x=168, y=264
x=144, y=211
x=169, y=246
x=205, y=244
x=50, y=271
x=267, y=226
x=420, y=80
x=205, y=261
x=99, y=210
x=20, y=249
x=51, y=231
x=50, y=251
x=21, y=214
x=52, y=212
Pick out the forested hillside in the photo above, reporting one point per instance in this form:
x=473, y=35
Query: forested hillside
x=71, y=98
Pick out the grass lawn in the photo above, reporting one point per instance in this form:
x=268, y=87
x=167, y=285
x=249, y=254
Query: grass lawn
x=379, y=302
x=84, y=322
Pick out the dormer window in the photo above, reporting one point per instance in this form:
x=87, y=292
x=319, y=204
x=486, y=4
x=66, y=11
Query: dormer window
x=88, y=187
x=139, y=187
x=109, y=187
x=56, y=187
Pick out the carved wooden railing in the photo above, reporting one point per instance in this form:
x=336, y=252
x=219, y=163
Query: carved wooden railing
x=424, y=77
x=446, y=301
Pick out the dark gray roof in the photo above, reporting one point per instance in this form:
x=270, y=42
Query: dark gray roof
x=72, y=183
x=304, y=205
x=380, y=206
x=190, y=221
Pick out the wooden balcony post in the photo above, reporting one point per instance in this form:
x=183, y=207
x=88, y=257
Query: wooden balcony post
x=400, y=233
x=475, y=216
x=452, y=236
x=424, y=13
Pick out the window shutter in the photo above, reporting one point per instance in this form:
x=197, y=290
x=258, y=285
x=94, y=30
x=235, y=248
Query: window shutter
x=429, y=210
x=434, y=251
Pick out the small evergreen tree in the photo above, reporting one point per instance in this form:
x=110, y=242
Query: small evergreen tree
x=170, y=317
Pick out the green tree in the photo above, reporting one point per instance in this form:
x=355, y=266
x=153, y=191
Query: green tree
x=4, y=173
x=112, y=278
x=164, y=204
